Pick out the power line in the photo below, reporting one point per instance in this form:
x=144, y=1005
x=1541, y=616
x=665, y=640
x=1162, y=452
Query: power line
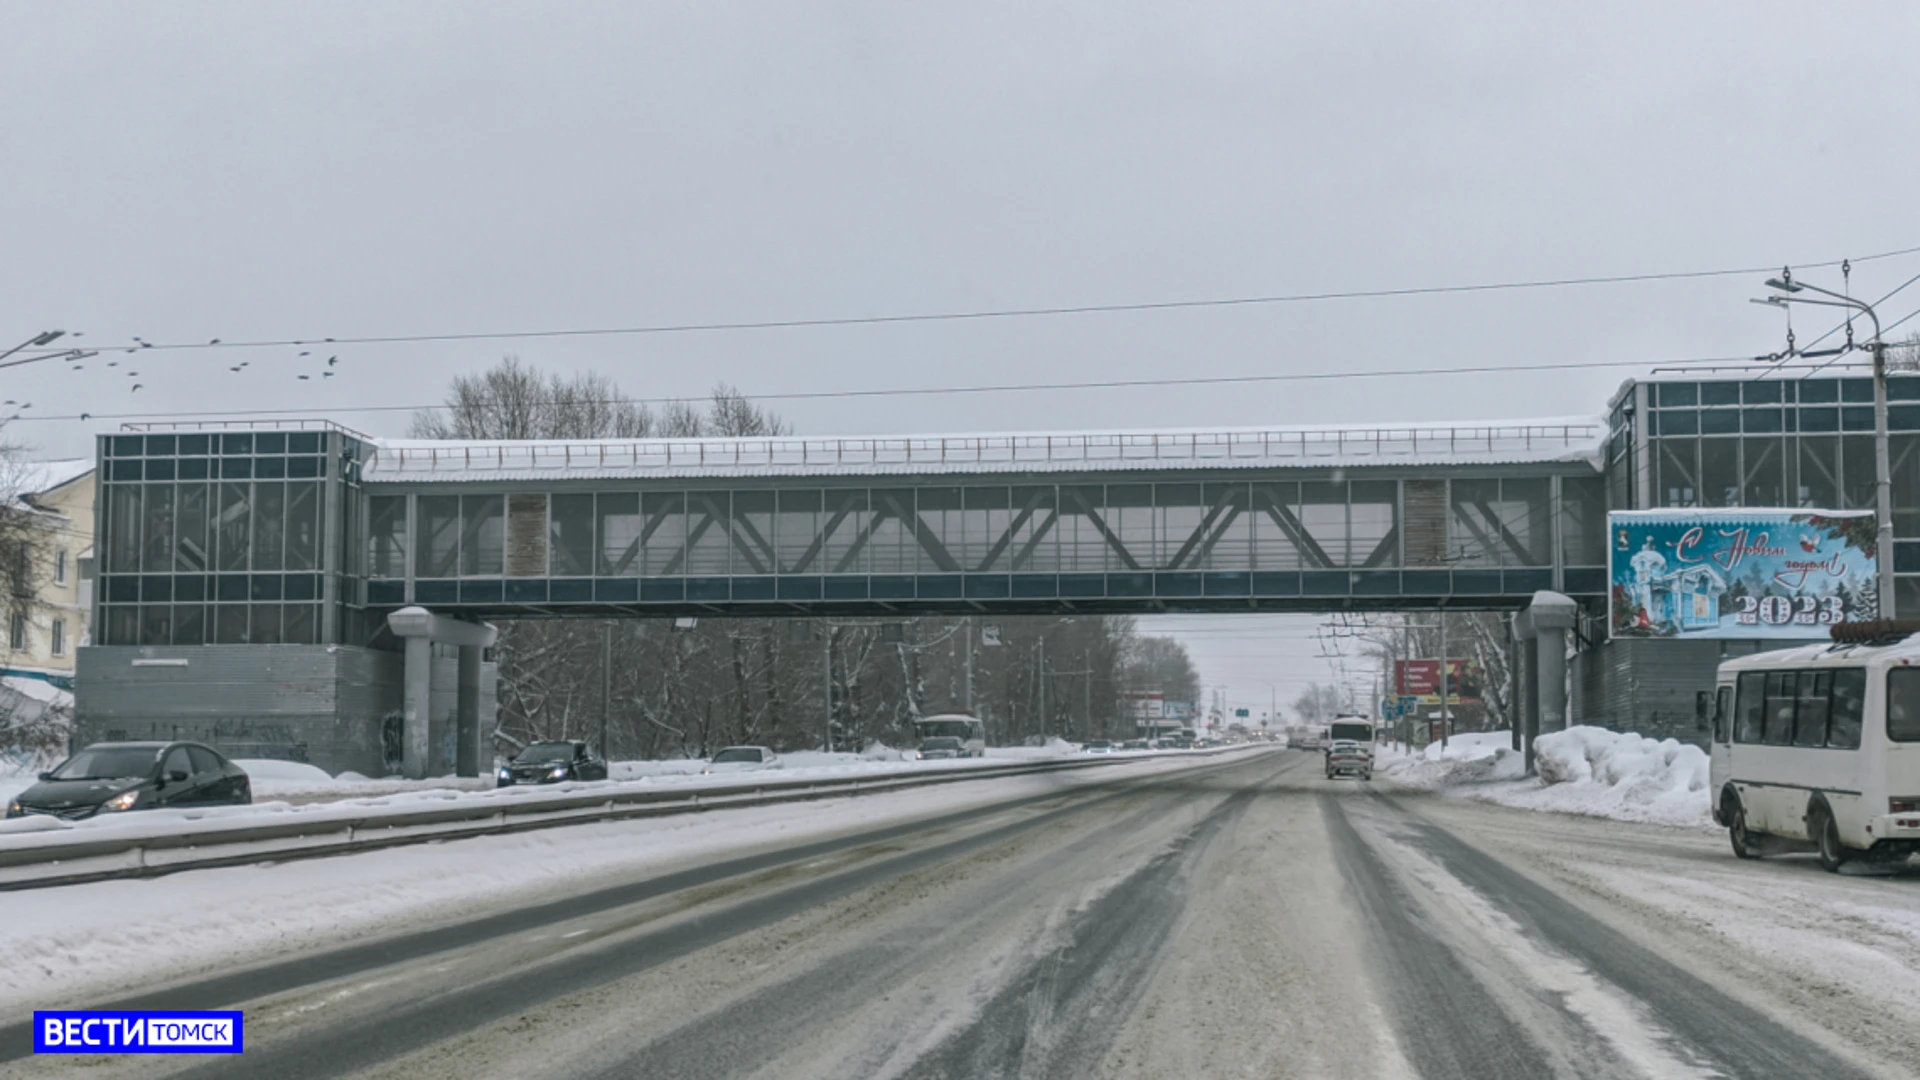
x=942, y=391
x=1001, y=313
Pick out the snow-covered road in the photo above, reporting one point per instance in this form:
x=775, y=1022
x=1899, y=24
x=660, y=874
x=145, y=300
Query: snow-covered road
x=1237, y=917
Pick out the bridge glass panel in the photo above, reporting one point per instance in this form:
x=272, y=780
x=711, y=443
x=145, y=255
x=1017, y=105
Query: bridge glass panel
x=1276, y=525
x=709, y=548
x=437, y=550
x=1130, y=516
x=1677, y=481
x=235, y=526
x=570, y=548
x=1323, y=517
x=1177, y=515
x=844, y=534
x=1763, y=472
x=938, y=527
x=269, y=525
x=1583, y=521
x=1719, y=472
x=1374, y=520
x=1033, y=543
x=985, y=515
x=483, y=535
x=891, y=548
x=1226, y=536
x=1857, y=490
x=156, y=552
x=1904, y=452
x=751, y=527
x=1473, y=523
x=795, y=529
x=654, y=544
x=1082, y=541
x=192, y=516
x=1817, y=479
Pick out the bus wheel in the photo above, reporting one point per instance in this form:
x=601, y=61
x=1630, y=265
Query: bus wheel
x=1735, y=816
x=1826, y=832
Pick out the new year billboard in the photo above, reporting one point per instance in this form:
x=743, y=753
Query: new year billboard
x=1740, y=573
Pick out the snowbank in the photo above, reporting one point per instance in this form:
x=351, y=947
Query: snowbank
x=1478, y=757
x=1582, y=770
x=1616, y=774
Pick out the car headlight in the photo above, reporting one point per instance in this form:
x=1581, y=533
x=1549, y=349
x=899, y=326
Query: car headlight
x=122, y=801
x=505, y=773
x=559, y=772
x=13, y=808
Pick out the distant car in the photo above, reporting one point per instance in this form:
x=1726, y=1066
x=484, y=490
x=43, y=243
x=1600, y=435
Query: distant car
x=550, y=763
x=940, y=747
x=1346, y=757
x=1098, y=746
x=111, y=777
x=741, y=759
x=1136, y=744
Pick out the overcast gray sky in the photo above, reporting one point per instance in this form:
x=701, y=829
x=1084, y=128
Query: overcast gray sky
x=193, y=170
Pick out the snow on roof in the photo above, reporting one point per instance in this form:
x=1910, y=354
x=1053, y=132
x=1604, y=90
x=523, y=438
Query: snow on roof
x=1579, y=439
x=40, y=477
x=1819, y=654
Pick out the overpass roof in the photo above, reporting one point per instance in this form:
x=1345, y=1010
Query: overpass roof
x=1579, y=439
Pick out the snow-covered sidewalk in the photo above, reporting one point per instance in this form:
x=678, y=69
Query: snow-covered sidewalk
x=1582, y=770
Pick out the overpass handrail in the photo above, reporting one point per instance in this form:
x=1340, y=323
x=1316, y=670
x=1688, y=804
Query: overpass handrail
x=1406, y=442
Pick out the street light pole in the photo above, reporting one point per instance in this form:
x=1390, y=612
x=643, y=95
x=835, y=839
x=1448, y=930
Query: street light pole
x=1882, y=459
x=45, y=337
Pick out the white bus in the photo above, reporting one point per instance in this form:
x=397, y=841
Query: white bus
x=969, y=730
x=1820, y=745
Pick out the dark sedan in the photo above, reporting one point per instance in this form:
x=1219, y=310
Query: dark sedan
x=112, y=777
x=550, y=763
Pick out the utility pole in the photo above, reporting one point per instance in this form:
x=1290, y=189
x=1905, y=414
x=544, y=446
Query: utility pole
x=826, y=678
x=1043, y=689
x=970, y=633
x=1446, y=715
x=606, y=682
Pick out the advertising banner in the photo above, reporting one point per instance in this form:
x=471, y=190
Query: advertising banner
x=1420, y=680
x=1740, y=573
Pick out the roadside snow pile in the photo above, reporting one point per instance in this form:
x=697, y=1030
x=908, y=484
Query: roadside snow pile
x=1582, y=770
x=1617, y=774
x=1479, y=757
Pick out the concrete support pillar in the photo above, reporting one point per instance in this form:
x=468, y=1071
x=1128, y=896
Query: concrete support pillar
x=1552, y=617
x=471, y=755
x=421, y=630
x=418, y=707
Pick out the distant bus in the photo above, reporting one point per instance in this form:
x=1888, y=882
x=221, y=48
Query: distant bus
x=971, y=732
x=1819, y=745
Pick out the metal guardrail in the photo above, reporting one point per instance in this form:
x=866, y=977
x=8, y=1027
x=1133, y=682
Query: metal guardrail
x=68, y=860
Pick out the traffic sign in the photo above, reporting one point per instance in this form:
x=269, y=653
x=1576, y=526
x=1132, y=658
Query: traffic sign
x=1241, y=713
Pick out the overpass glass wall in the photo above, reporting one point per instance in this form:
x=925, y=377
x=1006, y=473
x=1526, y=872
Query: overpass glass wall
x=1121, y=541
x=1779, y=442
x=223, y=537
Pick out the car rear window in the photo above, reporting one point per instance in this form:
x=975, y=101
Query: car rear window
x=736, y=754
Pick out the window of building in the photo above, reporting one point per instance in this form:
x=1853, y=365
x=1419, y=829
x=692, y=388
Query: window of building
x=17, y=631
x=60, y=566
x=59, y=638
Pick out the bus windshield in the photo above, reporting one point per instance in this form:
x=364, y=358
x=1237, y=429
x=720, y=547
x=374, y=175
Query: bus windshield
x=1356, y=732
x=957, y=729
